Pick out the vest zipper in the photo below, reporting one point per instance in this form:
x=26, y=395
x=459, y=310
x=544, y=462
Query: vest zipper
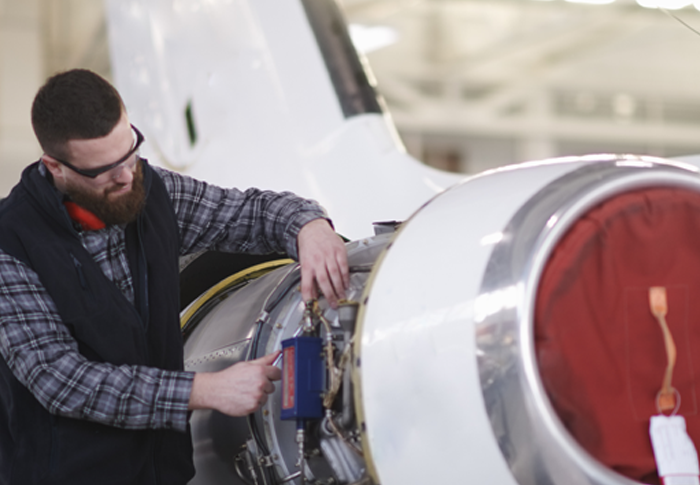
x=79, y=269
x=143, y=274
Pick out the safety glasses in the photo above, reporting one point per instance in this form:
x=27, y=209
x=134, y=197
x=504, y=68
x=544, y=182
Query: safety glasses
x=94, y=172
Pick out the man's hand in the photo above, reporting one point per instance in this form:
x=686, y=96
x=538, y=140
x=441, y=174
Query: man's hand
x=324, y=262
x=238, y=390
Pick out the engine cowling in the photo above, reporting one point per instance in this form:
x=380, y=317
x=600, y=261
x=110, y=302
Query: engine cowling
x=431, y=373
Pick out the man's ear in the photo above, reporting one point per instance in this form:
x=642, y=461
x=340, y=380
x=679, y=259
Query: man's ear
x=52, y=165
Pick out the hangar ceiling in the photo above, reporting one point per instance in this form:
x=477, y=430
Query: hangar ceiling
x=525, y=79
x=477, y=83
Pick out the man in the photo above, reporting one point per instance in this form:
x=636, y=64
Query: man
x=91, y=382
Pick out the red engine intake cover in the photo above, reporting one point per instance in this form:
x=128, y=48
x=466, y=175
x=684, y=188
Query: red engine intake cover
x=600, y=350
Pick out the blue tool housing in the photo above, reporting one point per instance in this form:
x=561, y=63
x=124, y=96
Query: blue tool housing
x=303, y=375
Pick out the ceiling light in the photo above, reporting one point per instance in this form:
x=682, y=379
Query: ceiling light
x=593, y=2
x=667, y=4
x=367, y=39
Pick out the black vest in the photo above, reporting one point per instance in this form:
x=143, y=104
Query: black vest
x=37, y=447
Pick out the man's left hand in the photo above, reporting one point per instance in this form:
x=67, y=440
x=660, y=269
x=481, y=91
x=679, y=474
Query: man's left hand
x=324, y=262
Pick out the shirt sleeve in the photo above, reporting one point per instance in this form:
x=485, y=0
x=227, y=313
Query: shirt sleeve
x=253, y=221
x=44, y=357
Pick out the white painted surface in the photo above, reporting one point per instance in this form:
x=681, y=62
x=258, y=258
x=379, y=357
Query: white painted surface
x=422, y=397
x=265, y=109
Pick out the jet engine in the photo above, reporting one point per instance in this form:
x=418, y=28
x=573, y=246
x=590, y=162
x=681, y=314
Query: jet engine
x=449, y=362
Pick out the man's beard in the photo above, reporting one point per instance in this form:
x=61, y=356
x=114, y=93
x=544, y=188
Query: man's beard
x=121, y=210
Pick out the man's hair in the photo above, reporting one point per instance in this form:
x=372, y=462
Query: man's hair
x=74, y=105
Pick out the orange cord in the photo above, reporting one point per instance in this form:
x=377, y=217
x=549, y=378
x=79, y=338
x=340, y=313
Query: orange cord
x=659, y=307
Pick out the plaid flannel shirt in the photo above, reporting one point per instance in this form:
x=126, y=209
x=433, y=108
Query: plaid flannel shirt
x=44, y=356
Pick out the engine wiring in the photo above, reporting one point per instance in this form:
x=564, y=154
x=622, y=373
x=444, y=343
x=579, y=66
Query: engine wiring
x=340, y=370
x=312, y=320
x=335, y=372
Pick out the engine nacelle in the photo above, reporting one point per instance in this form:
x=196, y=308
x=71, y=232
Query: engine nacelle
x=430, y=374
